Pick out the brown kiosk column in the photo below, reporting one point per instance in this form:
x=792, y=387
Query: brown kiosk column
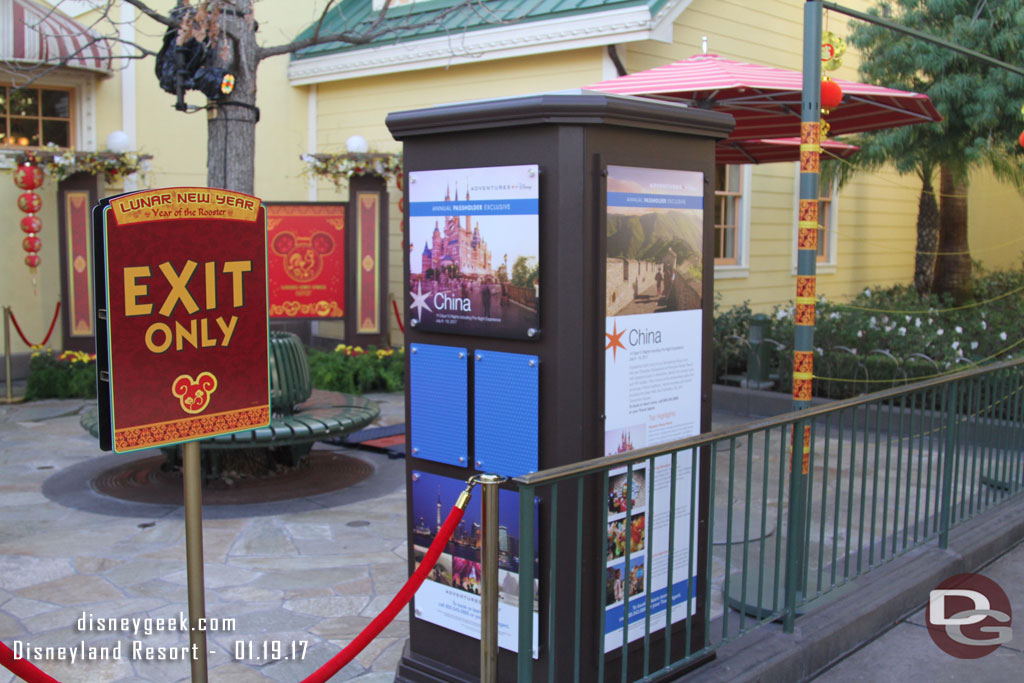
x=511, y=302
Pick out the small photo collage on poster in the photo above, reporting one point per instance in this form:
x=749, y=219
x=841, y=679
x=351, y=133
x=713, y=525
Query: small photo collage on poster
x=627, y=491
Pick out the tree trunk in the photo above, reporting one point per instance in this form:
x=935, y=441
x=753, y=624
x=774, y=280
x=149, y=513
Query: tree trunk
x=231, y=127
x=927, y=236
x=953, y=262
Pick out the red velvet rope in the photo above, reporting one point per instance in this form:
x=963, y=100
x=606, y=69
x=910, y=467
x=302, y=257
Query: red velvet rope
x=398, y=317
x=339, y=660
x=48, y=332
x=22, y=668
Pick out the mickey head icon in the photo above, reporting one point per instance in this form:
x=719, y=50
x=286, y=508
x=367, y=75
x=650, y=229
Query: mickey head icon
x=303, y=256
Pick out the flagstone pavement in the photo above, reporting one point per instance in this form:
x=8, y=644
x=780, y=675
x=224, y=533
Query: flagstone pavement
x=312, y=571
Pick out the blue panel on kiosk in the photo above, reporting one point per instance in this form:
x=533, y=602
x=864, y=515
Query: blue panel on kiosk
x=439, y=423
x=505, y=409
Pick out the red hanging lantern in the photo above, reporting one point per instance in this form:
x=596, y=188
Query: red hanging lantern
x=28, y=176
x=31, y=224
x=30, y=202
x=831, y=94
x=1021, y=139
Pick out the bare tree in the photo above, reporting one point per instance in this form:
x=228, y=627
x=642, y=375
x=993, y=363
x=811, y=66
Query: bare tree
x=225, y=32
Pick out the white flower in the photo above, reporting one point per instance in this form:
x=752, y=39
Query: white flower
x=955, y=345
x=908, y=318
x=984, y=325
x=917, y=322
x=833, y=316
x=860, y=333
x=1002, y=335
x=940, y=331
x=959, y=330
x=930, y=321
x=903, y=332
x=867, y=293
x=974, y=345
x=873, y=321
x=782, y=314
x=960, y=352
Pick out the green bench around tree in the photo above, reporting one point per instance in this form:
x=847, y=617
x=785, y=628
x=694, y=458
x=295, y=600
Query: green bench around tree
x=295, y=425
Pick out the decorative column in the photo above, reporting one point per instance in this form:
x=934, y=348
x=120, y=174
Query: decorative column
x=807, y=225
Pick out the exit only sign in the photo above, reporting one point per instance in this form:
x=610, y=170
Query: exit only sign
x=184, y=309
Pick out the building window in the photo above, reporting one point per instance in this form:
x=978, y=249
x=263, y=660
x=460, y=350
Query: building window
x=728, y=200
x=827, y=212
x=34, y=117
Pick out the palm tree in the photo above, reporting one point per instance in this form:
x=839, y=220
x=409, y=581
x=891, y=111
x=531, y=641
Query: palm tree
x=979, y=104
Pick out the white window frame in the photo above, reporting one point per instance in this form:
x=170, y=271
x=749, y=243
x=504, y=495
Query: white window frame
x=741, y=268
x=83, y=91
x=830, y=262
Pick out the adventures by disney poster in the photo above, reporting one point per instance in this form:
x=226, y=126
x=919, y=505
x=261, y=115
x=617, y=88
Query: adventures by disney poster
x=474, y=263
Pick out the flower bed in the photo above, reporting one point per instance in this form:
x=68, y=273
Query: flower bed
x=886, y=336
x=354, y=370
x=72, y=374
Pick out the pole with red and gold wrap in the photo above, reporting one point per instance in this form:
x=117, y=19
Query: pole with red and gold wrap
x=808, y=219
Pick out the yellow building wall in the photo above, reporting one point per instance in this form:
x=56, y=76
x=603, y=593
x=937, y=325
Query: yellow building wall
x=359, y=107
x=177, y=144
x=876, y=212
x=995, y=215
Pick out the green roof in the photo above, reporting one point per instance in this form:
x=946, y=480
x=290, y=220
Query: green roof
x=357, y=15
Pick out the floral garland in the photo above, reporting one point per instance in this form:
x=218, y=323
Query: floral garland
x=60, y=164
x=338, y=168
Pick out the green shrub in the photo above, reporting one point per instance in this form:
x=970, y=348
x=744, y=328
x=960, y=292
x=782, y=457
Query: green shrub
x=353, y=370
x=72, y=374
x=888, y=336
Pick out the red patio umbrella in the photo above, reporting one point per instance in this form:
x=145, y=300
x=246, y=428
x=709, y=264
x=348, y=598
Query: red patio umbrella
x=776, y=149
x=765, y=101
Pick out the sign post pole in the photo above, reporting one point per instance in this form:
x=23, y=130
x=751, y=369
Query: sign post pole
x=192, y=475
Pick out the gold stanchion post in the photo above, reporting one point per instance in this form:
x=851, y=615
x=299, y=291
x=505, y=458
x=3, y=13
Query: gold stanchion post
x=489, y=579
x=9, y=397
x=192, y=474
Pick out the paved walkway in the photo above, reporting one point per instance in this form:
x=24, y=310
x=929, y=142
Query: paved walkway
x=309, y=572
x=312, y=571
x=906, y=652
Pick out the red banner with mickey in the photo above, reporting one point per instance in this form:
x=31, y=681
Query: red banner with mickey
x=306, y=250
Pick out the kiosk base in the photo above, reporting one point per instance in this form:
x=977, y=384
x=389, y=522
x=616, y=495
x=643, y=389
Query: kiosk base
x=415, y=668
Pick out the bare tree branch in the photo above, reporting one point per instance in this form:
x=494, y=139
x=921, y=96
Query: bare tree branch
x=153, y=14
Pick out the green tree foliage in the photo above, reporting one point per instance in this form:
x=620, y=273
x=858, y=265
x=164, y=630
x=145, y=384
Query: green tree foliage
x=980, y=105
x=524, y=271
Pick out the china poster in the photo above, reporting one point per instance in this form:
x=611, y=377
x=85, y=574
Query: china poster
x=474, y=260
x=450, y=596
x=653, y=326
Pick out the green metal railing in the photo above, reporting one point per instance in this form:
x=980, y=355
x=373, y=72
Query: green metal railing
x=886, y=472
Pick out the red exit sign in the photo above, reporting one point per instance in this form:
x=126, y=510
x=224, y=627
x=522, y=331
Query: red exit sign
x=185, y=280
